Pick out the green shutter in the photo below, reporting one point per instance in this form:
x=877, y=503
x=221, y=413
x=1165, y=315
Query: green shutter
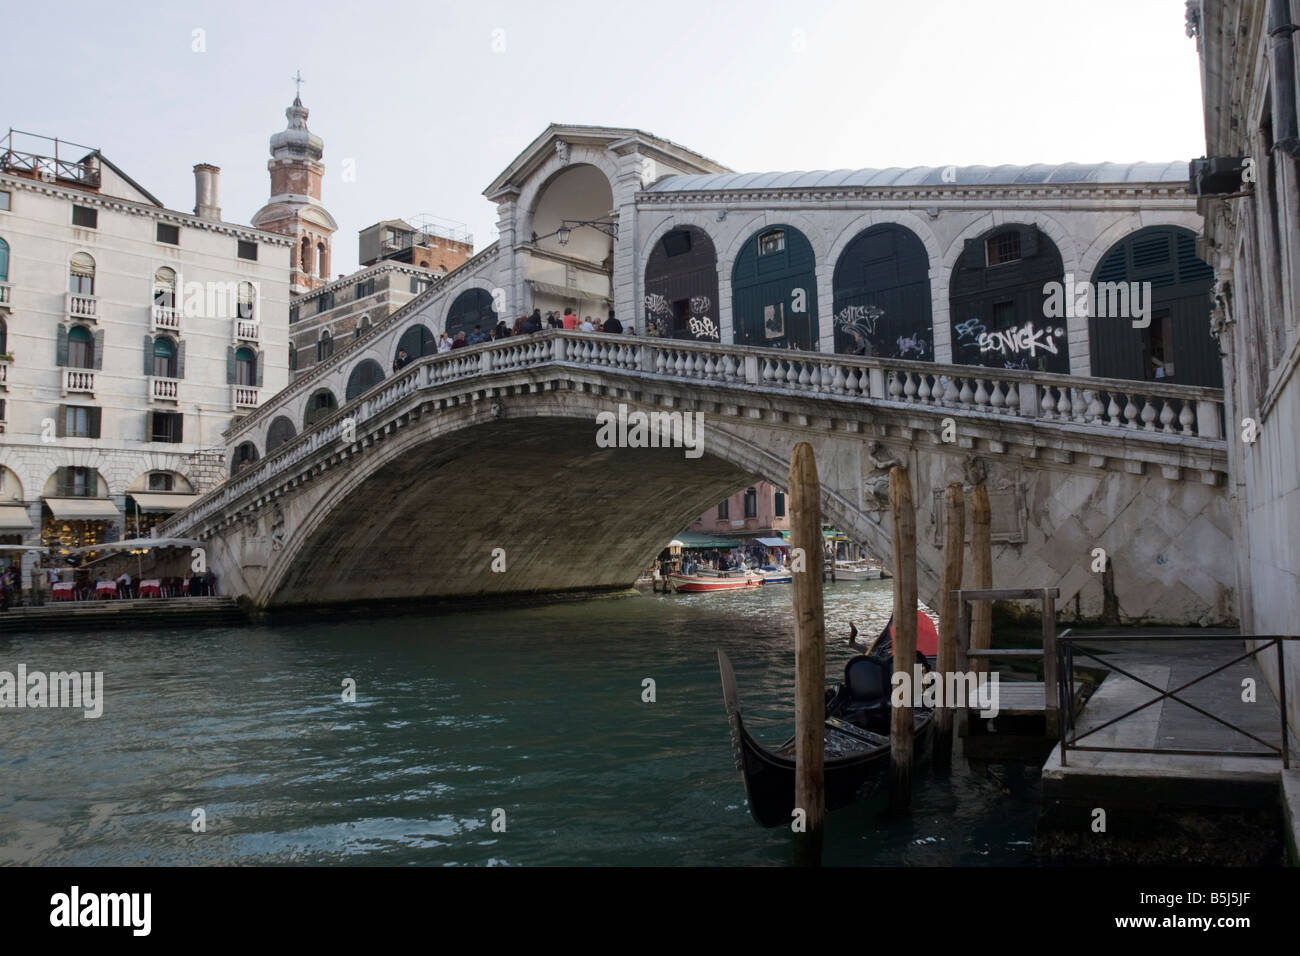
x=148, y=355
x=61, y=349
x=180, y=427
x=232, y=374
x=148, y=426
x=94, y=416
x=180, y=359
x=61, y=422
x=99, y=348
x=259, y=364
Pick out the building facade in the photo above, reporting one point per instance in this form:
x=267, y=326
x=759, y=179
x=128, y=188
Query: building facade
x=761, y=510
x=130, y=336
x=1250, y=58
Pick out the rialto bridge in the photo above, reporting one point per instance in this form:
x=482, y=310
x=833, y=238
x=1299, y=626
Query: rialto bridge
x=845, y=307
x=409, y=490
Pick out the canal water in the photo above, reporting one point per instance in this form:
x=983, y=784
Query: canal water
x=535, y=712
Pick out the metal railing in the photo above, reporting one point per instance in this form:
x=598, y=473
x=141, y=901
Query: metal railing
x=1048, y=653
x=1068, y=644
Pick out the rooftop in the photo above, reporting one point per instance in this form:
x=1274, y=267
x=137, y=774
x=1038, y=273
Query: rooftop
x=898, y=176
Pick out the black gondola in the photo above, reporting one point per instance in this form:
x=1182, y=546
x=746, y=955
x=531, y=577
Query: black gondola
x=857, y=742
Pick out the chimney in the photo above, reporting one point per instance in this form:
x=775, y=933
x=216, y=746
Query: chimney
x=205, y=192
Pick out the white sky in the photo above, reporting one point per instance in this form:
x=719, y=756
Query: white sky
x=414, y=93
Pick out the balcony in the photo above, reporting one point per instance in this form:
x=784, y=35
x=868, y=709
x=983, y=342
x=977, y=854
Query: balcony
x=164, y=389
x=166, y=319
x=82, y=308
x=243, y=396
x=6, y=296
x=246, y=330
x=78, y=381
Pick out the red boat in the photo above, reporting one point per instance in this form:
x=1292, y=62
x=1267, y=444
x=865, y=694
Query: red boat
x=722, y=581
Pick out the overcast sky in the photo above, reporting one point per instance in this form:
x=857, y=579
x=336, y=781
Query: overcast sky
x=424, y=100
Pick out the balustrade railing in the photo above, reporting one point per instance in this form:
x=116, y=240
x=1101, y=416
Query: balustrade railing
x=85, y=307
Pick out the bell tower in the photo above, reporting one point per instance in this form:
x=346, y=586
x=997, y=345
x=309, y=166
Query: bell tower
x=294, y=208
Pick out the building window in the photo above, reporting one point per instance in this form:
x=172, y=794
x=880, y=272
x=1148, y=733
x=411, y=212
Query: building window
x=162, y=481
x=164, y=288
x=169, y=234
x=324, y=302
x=1004, y=247
x=418, y=285
x=164, y=357
x=165, y=427
x=293, y=358
x=365, y=288
x=751, y=503
x=247, y=250
x=81, y=274
x=293, y=314
x=245, y=367
x=4, y=262
x=772, y=242
x=778, y=504
x=80, y=421
x=4, y=201
x=4, y=338
x=78, y=482
x=724, y=510
x=325, y=347
x=85, y=216
x=247, y=297
x=81, y=347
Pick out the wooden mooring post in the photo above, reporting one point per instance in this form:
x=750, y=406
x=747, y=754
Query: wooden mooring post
x=902, y=728
x=954, y=548
x=809, y=658
x=981, y=547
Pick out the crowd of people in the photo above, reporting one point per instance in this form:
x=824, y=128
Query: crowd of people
x=43, y=577
x=524, y=325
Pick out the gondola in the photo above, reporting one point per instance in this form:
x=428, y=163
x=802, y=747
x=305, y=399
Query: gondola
x=858, y=714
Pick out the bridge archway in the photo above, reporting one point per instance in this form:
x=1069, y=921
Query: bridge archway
x=681, y=285
x=365, y=375
x=882, y=295
x=321, y=404
x=472, y=307
x=280, y=432
x=244, y=455
x=1176, y=347
x=996, y=301
x=774, y=290
x=418, y=341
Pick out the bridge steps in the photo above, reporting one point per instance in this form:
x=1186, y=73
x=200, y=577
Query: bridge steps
x=144, y=614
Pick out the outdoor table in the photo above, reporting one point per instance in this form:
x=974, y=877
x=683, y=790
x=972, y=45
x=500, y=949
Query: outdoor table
x=151, y=588
x=105, y=589
x=64, y=591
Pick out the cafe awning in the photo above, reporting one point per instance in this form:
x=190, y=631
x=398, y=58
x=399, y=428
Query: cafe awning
x=690, y=539
x=14, y=518
x=83, y=509
x=160, y=502
x=569, y=292
x=773, y=542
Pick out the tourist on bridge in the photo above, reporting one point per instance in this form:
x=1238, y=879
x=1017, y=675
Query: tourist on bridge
x=613, y=325
x=478, y=336
x=502, y=331
x=459, y=342
x=444, y=343
x=587, y=325
x=553, y=321
x=401, y=360
x=534, y=323
x=570, y=320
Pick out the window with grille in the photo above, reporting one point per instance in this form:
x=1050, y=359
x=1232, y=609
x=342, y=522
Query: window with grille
x=771, y=242
x=1003, y=248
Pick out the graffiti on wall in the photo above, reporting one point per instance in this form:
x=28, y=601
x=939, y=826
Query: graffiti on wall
x=859, y=323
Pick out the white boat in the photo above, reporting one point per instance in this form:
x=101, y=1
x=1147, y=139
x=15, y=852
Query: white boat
x=858, y=571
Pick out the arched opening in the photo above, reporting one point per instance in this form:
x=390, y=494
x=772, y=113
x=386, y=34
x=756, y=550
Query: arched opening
x=4, y=338
x=774, y=290
x=362, y=328
x=472, y=307
x=681, y=286
x=81, y=347
x=246, y=301
x=68, y=519
x=572, y=232
x=325, y=346
x=1154, y=272
x=280, y=432
x=322, y=260
x=997, y=301
x=81, y=274
x=320, y=406
x=416, y=341
x=244, y=456
x=153, y=498
x=164, y=288
x=4, y=261
x=305, y=257
x=364, y=377
x=245, y=367
x=164, y=357
x=882, y=295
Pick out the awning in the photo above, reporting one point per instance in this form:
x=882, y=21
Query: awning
x=773, y=542
x=14, y=518
x=83, y=509
x=566, y=292
x=144, y=544
x=828, y=534
x=159, y=502
x=690, y=539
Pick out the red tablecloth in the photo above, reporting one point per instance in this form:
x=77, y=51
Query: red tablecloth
x=152, y=588
x=64, y=591
x=106, y=589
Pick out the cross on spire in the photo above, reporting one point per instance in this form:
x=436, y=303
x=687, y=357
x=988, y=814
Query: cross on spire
x=297, y=79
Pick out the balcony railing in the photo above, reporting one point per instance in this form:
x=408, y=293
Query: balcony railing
x=246, y=330
x=164, y=389
x=242, y=396
x=82, y=307
x=166, y=319
x=5, y=295
x=78, y=381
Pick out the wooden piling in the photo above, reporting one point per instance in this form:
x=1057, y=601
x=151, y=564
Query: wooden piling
x=981, y=546
x=902, y=729
x=954, y=547
x=810, y=656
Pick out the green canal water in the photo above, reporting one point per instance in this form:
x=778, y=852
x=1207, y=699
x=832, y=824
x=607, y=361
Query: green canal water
x=536, y=712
